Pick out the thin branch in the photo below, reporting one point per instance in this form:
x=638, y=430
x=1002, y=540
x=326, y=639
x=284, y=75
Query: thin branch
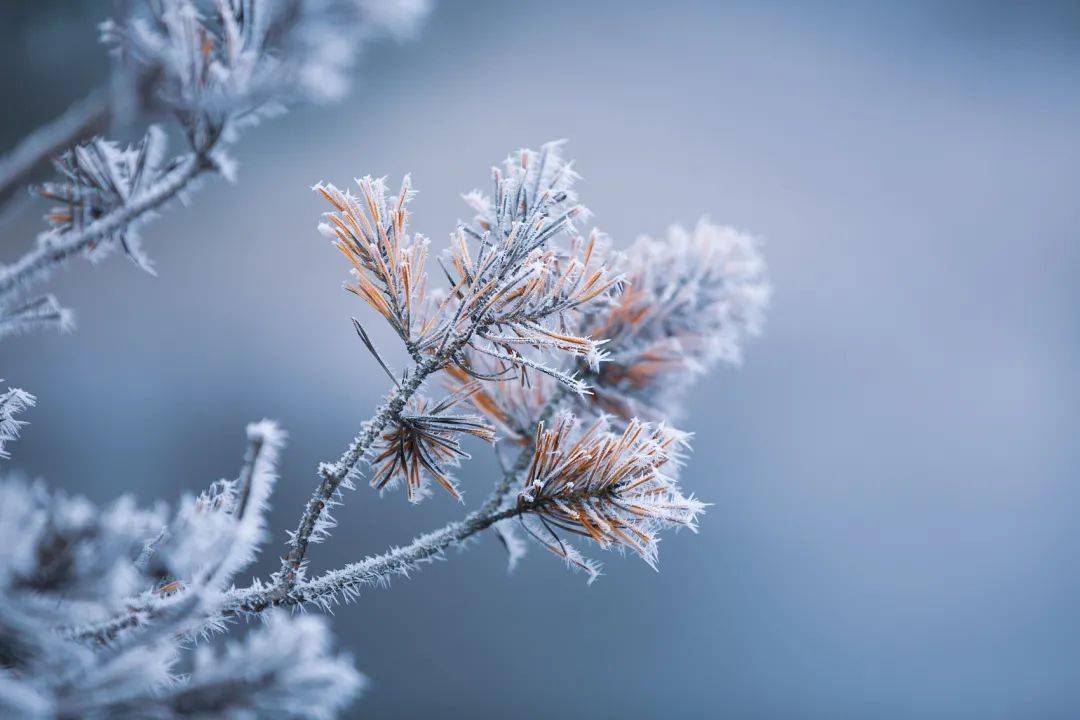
x=83, y=119
x=333, y=475
x=378, y=569
x=54, y=250
x=343, y=582
x=371, y=571
x=42, y=312
x=346, y=581
x=252, y=458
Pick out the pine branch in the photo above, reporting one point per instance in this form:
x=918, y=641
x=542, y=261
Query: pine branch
x=376, y=570
x=333, y=475
x=344, y=582
x=217, y=71
x=54, y=250
x=42, y=312
x=372, y=571
x=83, y=119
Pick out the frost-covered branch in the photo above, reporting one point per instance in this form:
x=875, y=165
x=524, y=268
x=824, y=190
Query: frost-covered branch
x=217, y=67
x=377, y=571
x=42, y=312
x=53, y=249
x=67, y=561
x=316, y=521
x=345, y=582
x=549, y=335
x=516, y=282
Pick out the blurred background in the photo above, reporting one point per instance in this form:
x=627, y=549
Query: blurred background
x=894, y=470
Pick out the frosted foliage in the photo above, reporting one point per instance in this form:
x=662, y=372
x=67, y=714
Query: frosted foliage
x=423, y=443
x=540, y=318
x=150, y=581
x=217, y=67
x=231, y=57
x=514, y=289
x=616, y=489
x=688, y=300
x=99, y=177
x=285, y=670
x=554, y=347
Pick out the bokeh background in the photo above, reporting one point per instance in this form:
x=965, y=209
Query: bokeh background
x=894, y=470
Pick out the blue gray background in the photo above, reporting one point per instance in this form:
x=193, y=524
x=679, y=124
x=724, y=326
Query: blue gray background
x=894, y=469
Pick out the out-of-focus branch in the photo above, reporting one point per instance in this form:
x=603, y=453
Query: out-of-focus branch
x=42, y=312
x=87, y=117
x=54, y=249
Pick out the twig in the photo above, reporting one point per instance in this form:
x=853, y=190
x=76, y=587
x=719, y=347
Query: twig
x=256, y=441
x=335, y=474
x=399, y=561
x=53, y=250
x=370, y=571
x=345, y=581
